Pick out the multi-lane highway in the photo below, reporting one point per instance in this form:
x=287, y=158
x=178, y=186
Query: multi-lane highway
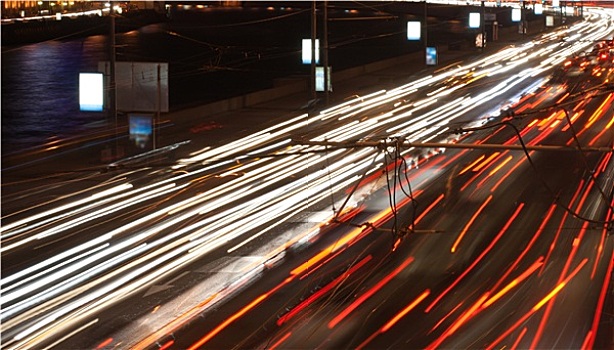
x=306, y=235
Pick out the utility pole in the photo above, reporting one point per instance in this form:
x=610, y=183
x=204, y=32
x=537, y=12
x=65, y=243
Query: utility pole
x=483, y=25
x=426, y=37
x=523, y=19
x=325, y=58
x=112, y=82
x=313, y=50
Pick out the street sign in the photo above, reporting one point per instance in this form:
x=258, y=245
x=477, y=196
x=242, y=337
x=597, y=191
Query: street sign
x=431, y=56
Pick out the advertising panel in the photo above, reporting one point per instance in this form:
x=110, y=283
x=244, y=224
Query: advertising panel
x=474, y=20
x=413, y=30
x=431, y=56
x=91, y=92
x=306, y=52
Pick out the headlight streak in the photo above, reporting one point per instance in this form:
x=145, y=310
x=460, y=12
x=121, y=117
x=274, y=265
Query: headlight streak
x=43, y=323
x=93, y=215
x=19, y=276
x=77, y=203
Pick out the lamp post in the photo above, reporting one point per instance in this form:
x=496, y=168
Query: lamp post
x=426, y=42
x=313, y=49
x=112, y=83
x=325, y=58
x=483, y=25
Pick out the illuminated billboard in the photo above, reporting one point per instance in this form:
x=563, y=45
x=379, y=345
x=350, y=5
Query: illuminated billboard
x=141, y=129
x=474, y=20
x=91, y=92
x=538, y=9
x=320, y=79
x=140, y=86
x=516, y=15
x=413, y=30
x=306, y=54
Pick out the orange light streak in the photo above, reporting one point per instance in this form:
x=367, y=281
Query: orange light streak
x=105, y=343
x=403, y=312
x=485, y=162
x=238, y=315
x=479, y=172
x=539, y=138
x=600, y=246
x=527, y=248
x=604, y=163
x=322, y=291
x=494, y=171
x=532, y=123
x=472, y=164
x=456, y=325
x=281, y=340
x=524, y=99
x=175, y=324
x=478, y=259
x=542, y=99
x=395, y=319
x=546, y=120
x=524, y=107
x=340, y=243
x=446, y=317
x=601, y=133
x=515, y=345
x=573, y=120
x=582, y=103
x=587, y=340
x=563, y=98
x=369, y=293
x=492, y=134
x=428, y=209
x=316, y=258
x=514, y=283
x=227, y=322
x=560, y=229
x=544, y=320
x=167, y=345
x=466, y=228
x=453, y=159
x=537, y=306
x=599, y=111
x=550, y=295
x=510, y=172
x=600, y=302
x=321, y=263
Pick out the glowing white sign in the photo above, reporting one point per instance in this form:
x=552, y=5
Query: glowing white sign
x=91, y=92
x=474, y=20
x=307, y=51
x=413, y=30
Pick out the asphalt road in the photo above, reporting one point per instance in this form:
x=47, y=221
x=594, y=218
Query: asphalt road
x=239, y=246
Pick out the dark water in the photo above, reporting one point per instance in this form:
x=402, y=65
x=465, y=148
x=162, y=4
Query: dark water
x=40, y=95
x=212, y=54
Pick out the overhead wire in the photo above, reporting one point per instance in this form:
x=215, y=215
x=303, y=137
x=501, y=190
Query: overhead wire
x=555, y=196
